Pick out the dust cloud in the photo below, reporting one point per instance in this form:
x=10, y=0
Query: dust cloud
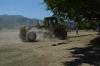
x=42, y=34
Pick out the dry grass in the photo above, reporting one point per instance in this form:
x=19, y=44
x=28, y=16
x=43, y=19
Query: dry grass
x=13, y=52
x=13, y=55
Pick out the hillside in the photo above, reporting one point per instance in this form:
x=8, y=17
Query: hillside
x=16, y=21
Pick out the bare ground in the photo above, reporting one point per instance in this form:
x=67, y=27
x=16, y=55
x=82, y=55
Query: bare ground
x=45, y=52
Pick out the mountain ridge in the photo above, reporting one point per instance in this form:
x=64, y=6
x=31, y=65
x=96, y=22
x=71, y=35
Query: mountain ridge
x=18, y=20
x=13, y=20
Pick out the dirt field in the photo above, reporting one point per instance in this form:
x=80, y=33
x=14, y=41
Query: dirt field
x=77, y=50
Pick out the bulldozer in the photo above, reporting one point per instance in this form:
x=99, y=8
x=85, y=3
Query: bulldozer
x=57, y=29
x=50, y=23
x=26, y=35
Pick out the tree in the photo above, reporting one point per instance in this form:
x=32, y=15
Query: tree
x=86, y=25
x=76, y=10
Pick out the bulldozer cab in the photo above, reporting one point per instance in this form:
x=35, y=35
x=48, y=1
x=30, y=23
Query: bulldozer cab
x=54, y=27
x=51, y=23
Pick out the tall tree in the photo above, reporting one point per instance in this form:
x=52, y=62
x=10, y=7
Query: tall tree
x=77, y=10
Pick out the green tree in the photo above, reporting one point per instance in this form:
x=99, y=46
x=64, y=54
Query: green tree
x=87, y=25
x=76, y=10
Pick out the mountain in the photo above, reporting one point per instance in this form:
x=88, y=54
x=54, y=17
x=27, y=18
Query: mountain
x=17, y=21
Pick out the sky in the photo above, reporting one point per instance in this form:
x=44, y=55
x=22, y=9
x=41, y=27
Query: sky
x=26, y=8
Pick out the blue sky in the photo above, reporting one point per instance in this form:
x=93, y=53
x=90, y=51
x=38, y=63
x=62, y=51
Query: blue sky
x=27, y=8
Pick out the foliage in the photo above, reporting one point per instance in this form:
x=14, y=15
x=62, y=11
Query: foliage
x=87, y=25
x=73, y=9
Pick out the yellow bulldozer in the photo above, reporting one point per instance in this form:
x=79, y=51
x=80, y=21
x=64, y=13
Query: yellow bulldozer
x=51, y=24
x=59, y=30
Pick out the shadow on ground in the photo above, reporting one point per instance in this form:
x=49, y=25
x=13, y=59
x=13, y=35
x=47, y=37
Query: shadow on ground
x=89, y=55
